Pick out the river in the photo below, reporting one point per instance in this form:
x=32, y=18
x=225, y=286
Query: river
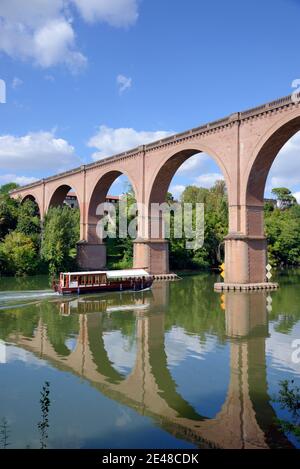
x=179, y=366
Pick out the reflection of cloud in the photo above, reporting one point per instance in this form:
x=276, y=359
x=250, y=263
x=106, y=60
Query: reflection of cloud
x=120, y=351
x=179, y=345
x=71, y=343
x=279, y=349
x=2, y=352
x=14, y=353
x=124, y=419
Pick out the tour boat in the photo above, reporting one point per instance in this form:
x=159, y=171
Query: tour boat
x=102, y=281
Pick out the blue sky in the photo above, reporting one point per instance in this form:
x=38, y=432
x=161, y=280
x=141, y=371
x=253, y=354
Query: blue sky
x=89, y=78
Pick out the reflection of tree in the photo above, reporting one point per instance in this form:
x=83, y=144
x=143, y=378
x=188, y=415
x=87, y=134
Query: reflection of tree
x=59, y=328
x=4, y=434
x=285, y=310
x=43, y=424
x=19, y=320
x=194, y=306
x=289, y=399
x=123, y=321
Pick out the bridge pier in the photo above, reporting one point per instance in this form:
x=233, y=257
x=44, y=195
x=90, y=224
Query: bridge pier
x=245, y=258
x=152, y=255
x=245, y=263
x=91, y=256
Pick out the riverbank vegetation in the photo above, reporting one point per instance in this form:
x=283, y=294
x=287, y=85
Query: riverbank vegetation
x=28, y=248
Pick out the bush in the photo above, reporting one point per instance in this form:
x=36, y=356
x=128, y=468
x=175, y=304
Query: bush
x=18, y=254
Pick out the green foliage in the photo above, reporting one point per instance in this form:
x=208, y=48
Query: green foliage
x=61, y=233
x=216, y=227
x=6, y=188
x=289, y=399
x=19, y=254
x=284, y=197
x=8, y=214
x=29, y=218
x=120, y=250
x=283, y=233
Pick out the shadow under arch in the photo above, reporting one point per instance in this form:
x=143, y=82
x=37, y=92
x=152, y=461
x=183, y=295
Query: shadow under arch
x=59, y=195
x=264, y=158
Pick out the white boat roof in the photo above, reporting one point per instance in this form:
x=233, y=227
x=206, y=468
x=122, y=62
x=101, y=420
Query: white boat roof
x=114, y=273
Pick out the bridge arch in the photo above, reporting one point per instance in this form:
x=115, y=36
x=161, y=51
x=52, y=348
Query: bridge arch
x=264, y=154
x=98, y=195
x=92, y=250
x=151, y=247
x=58, y=195
x=171, y=162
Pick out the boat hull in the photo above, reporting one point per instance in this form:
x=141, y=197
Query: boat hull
x=105, y=288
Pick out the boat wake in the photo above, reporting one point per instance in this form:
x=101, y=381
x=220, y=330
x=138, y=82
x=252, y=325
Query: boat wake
x=12, y=298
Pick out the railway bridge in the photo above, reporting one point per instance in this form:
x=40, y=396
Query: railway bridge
x=244, y=145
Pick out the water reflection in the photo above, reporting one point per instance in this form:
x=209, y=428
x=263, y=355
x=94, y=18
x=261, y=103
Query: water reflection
x=121, y=345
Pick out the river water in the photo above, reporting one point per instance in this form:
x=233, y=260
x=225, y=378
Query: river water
x=179, y=366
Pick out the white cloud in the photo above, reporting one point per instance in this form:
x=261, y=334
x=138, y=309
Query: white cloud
x=285, y=170
x=119, y=13
x=194, y=163
x=123, y=83
x=110, y=141
x=208, y=180
x=43, y=30
x=297, y=196
x=22, y=180
x=176, y=190
x=36, y=151
x=49, y=78
x=53, y=44
x=16, y=83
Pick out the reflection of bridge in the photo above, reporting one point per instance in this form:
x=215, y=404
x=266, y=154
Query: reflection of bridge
x=246, y=419
x=244, y=145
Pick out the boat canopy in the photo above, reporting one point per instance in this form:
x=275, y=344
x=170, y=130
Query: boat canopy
x=126, y=273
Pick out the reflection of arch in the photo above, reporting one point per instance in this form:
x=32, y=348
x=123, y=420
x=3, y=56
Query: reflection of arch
x=97, y=348
x=161, y=373
x=246, y=420
x=264, y=155
x=98, y=196
x=167, y=168
x=33, y=199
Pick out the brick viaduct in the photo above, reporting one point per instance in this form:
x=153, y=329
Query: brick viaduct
x=244, y=145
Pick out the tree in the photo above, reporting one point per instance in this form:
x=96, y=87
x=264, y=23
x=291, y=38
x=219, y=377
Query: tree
x=8, y=214
x=61, y=233
x=284, y=197
x=20, y=254
x=29, y=220
x=6, y=188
